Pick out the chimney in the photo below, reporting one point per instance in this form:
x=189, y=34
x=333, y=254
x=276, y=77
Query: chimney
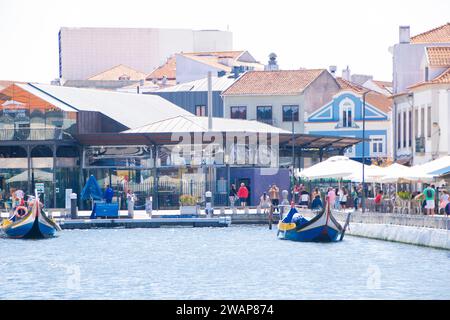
x=332, y=70
x=346, y=74
x=404, y=34
x=272, y=64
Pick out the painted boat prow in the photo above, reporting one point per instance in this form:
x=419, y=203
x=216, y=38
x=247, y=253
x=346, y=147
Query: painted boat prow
x=322, y=228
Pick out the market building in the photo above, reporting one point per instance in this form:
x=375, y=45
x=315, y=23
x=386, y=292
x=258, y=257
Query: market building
x=55, y=137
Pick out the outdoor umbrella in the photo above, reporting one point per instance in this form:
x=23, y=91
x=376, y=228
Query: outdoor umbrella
x=371, y=174
x=399, y=173
x=91, y=190
x=39, y=175
x=436, y=167
x=332, y=168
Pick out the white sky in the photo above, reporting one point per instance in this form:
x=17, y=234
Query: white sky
x=310, y=34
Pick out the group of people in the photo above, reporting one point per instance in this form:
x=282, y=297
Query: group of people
x=433, y=200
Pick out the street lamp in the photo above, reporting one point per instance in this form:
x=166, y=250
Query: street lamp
x=363, y=196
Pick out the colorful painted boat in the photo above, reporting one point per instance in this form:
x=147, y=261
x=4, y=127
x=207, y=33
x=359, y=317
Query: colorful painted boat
x=33, y=225
x=322, y=228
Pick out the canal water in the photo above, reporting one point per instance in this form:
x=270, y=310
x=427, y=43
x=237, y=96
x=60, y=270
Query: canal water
x=240, y=262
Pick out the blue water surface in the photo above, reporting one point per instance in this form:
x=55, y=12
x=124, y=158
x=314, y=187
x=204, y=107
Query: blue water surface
x=239, y=262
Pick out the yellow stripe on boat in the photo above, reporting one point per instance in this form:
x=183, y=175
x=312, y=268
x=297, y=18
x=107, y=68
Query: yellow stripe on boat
x=286, y=226
x=6, y=222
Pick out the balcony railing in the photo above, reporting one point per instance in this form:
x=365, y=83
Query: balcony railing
x=26, y=134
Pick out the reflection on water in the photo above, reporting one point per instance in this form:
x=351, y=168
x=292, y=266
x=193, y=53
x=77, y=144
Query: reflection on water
x=208, y=263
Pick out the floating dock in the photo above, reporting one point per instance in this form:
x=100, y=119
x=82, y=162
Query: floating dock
x=218, y=222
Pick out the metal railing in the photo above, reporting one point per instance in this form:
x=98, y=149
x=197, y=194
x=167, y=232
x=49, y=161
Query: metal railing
x=27, y=134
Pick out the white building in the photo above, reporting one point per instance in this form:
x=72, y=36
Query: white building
x=84, y=52
x=423, y=111
x=409, y=52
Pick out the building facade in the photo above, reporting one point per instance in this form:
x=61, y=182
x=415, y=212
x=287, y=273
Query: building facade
x=55, y=137
x=193, y=96
x=343, y=116
x=85, y=52
x=421, y=99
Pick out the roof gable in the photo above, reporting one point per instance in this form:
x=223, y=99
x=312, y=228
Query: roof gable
x=440, y=34
x=118, y=72
x=284, y=82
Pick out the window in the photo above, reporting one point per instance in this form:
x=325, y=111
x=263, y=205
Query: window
x=239, y=112
x=399, y=131
x=264, y=114
x=404, y=129
x=422, y=122
x=416, y=122
x=346, y=112
x=377, y=145
x=429, y=122
x=290, y=113
x=200, y=111
x=410, y=128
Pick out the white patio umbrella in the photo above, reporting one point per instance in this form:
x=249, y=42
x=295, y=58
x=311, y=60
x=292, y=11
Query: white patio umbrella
x=39, y=175
x=332, y=168
x=397, y=173
x=371, y=174
x=435, y=165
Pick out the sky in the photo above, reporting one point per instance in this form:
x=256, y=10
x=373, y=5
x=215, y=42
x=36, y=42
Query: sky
x=303, y=34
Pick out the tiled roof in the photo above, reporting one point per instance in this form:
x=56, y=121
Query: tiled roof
x=116, y=72
x=438, y=56
x=379, y=101
x=219, y=54
x=285, y=82
x=437, y=35
x=443, y=78
x=168, y=69
x=348, y=85
x=373, y=98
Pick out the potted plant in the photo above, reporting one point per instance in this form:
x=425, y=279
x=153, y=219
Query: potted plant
x=188, y=205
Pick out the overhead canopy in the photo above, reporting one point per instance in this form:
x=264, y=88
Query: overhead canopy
x=400, y=173
x=436, y=167
x=332, y=168
x=371, y=174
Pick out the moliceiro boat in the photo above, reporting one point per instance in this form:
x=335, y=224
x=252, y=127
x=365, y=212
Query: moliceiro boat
x=322, y=228
x=33, y=223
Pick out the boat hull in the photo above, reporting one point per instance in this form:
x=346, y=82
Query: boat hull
x=322, y=228
x=35, y=225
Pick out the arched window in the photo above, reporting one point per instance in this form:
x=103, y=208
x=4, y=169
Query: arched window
x=346, y=113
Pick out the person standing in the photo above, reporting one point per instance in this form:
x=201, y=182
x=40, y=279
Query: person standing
x=243, y=195
x=378, y=201
x=444, y=200
x=232, y=195
x=331, y=197
x=109, y=194
x=131, y=198
x=265, y=203
x=296, y=193
x=429, y=194
x=274, y=194
x=317, y=203
x=304, y=198
x=343, y=198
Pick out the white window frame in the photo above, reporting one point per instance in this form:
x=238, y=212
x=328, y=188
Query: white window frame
x=346, y=105
x=383, y=142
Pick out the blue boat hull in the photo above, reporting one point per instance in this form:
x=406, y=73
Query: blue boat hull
x=33, y=226
x=322, y=228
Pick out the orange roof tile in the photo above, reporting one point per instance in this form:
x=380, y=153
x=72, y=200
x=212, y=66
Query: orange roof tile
x=168, y=69
x=348, y=85
x=375, y=99
x=284, y=82
x=437, y=35
x=118, y=71
x=443, y=78
x=438, y=56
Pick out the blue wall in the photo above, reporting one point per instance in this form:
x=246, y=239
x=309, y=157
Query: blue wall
x=189, y=99
x=258, y=182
